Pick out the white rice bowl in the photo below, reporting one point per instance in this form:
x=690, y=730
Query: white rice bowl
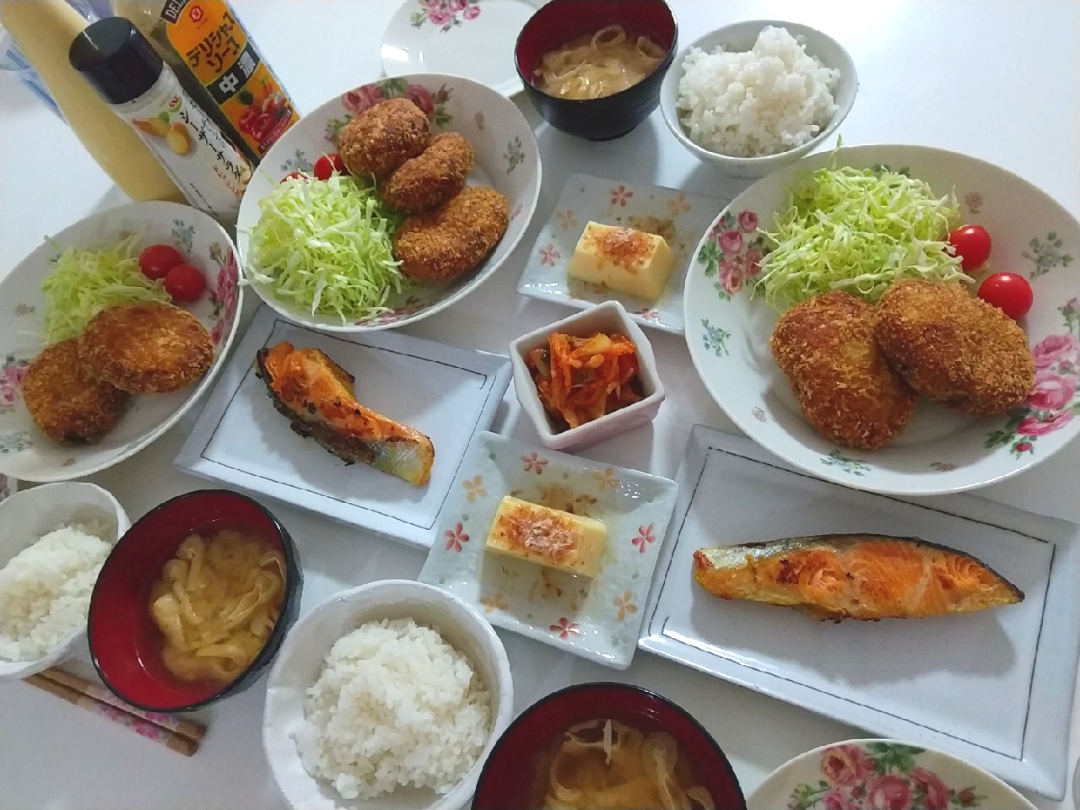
x=423, y=689
x=395, y=705
x=768, y=100
x=45, y=593
x=45, y=589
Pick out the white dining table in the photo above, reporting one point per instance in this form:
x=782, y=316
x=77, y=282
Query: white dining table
x=995, y=79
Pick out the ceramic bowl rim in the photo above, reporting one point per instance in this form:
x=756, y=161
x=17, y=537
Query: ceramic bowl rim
x=530, y=400
x=580, y=103
x=629, y=688
x=462, y=615
x=848, y=77
x=481, y=274
x=777, y=772
x=201, y=386
x=269, y=649
x=63, y=650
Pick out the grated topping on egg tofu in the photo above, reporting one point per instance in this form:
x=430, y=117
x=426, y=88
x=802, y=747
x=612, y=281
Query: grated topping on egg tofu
x=549, y=536
x=625, y=247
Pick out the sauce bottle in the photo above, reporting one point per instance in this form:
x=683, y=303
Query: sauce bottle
x=219, y=66
x=43, y=30
x=125, y=70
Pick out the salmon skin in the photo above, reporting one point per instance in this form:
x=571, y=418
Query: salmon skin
x=854, y=576
x=316, y=395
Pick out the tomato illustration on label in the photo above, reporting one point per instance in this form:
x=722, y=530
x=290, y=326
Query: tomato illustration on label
x=215, y=46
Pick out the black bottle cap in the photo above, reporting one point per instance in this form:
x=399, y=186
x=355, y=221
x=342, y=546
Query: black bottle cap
x=116, y=59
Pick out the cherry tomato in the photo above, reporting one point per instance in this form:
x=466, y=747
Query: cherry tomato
x=297, y=175
x=327, y=165
x=972, y=244
x=185, y=283
x=1009, y=292
x=157, y=260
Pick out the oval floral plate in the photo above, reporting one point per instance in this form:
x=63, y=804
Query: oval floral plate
x=507, y=159
x=941, y=450
x=883, y=775
x=25, y=452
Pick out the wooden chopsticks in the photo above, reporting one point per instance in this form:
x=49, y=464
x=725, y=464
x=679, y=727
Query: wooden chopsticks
x=177, y=733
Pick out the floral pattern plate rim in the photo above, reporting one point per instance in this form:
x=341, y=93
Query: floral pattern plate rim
x=25, y=452
x=470, y=38
x=928, y=680
x=885, y=775
x=507, y=158
x=598, y=619
x=679, y=217
x=941, y=450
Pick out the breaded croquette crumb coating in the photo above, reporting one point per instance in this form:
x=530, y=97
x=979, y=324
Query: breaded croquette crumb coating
x=452, y=240
x=953, y=348
x=383, y=137
x=65, y=398
x=147, y=348
x=430, y=179
x=825, y=347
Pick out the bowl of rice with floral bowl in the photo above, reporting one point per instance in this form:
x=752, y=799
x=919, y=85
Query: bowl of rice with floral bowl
x=752, y=97
x=53, y=541
x=389, y=695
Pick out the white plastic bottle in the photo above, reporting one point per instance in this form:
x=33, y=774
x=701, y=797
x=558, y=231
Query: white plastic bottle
x=44, y=30
x=126, y=71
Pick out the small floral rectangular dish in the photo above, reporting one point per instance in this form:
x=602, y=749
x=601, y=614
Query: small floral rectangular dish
x=444, y=392
x=598, y=619
x=680, y=218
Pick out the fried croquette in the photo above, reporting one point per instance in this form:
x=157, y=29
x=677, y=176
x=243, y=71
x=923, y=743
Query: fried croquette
x=454, y=238
x=430, y=179
x=147, y=348
x=845, y=388
x=66, y=400
x=953, y=348
x=383, y=137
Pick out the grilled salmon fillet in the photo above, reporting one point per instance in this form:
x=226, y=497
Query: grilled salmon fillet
x=316, y=395
x=854, y=576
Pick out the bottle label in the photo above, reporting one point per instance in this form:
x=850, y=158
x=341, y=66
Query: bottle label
x=216, y=47
x=201, y=160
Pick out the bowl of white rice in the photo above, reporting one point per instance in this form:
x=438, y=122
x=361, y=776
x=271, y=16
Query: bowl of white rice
x=389, y=695
x=757, y=95
x=53, y=541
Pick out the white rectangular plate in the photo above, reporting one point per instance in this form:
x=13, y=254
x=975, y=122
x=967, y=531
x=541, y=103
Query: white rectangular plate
x=599, y=619
x=992, y=687
x=446, y=393
x=679, y=217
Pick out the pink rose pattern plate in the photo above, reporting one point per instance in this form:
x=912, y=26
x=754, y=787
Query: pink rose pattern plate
x=506, y=158
x=682, y=219
x=941, y=451
x=466, y=38
x=598, y=619
x=24, y=451
x=882, y=775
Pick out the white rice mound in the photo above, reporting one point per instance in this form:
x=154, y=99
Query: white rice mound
x=763, y=101
x=45, y=590
x=395, y=705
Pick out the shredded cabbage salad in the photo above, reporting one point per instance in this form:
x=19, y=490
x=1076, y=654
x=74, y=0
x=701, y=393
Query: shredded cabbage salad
x=326, y=247
x=857, y=230
x=87, y=280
